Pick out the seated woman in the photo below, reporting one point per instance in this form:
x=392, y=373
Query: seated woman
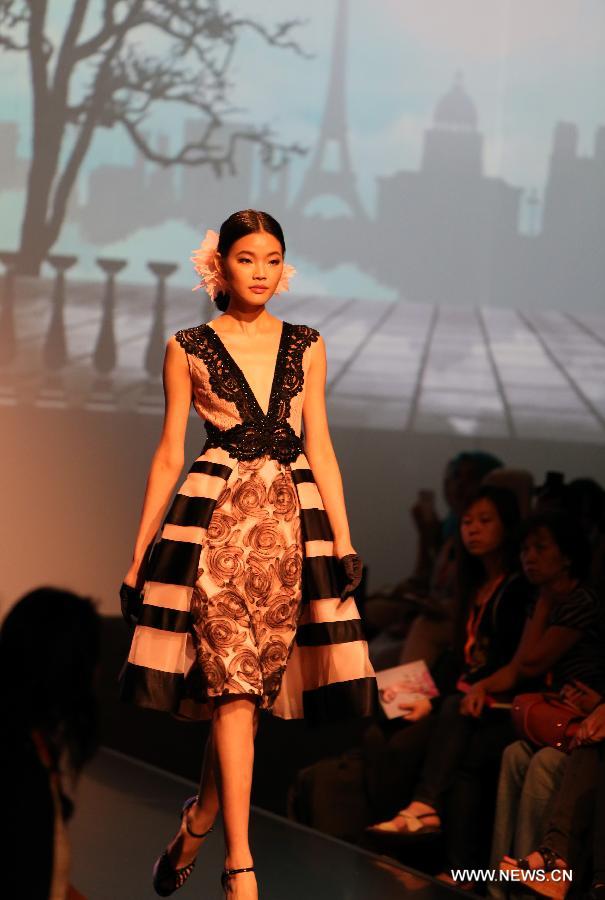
x=560, y=643
x=342, y=796
x=494, y=599
x=556, y=558
x=539, y=786
x=577, y=802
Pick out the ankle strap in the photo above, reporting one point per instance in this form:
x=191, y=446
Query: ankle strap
x=194, y=833
x=229, y=872
x=185, y=813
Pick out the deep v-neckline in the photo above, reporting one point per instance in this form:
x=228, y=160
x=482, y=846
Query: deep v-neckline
x=240, y=373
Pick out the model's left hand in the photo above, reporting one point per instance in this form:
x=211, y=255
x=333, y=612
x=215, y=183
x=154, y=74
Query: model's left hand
x=353, y=567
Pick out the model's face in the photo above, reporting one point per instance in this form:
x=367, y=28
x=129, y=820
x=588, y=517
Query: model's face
x=481, y=528
x=542, y=559
x=253, y=268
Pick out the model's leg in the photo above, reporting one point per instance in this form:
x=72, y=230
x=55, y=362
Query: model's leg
x=233, y=728
x=202, y=814
x=184, y=847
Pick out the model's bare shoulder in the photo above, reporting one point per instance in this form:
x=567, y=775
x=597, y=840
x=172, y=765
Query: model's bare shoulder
x=175, y=345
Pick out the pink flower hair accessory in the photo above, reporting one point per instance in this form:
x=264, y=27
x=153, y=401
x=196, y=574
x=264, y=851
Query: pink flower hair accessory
x=284, y=282
x=206, y=262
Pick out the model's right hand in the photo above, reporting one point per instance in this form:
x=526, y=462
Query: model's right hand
x=131, y=595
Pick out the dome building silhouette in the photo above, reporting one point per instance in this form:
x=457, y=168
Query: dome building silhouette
x=454, y=143
x=446, y=227
x=456, y=109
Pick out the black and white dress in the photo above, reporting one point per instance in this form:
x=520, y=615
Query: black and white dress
x=241, y=593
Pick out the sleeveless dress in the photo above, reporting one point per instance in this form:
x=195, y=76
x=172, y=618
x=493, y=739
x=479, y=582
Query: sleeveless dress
x=241, y=591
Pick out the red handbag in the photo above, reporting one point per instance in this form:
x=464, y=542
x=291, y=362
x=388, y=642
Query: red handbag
x=545, y=720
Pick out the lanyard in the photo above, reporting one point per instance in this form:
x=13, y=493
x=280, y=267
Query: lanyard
x=476, y=615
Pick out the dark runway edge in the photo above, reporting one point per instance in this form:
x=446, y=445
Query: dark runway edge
x=128, y=810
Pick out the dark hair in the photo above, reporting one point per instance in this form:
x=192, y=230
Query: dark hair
x=469, y=570
x=238, y=225
x=49, y=649
x=584, y=498
x=568, y=535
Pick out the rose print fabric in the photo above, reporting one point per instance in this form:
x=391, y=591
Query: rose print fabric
x=241, y=593
x=247, y=596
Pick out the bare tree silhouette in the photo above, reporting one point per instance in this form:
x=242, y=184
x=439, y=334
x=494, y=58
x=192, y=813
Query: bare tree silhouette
x=100, y=73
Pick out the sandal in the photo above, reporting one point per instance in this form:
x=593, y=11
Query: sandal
x=414, y=825
x=549, y=887
x=166, y=878
x=229, y=873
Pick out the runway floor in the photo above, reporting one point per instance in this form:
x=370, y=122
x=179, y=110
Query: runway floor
x=416, y=367
x=127, y=811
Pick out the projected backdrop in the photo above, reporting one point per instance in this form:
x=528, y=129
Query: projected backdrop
x=439, y=170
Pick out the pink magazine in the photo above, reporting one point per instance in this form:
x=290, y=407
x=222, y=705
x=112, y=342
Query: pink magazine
x=404, y=682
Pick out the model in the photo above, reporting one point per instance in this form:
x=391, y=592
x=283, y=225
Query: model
x=245, y=601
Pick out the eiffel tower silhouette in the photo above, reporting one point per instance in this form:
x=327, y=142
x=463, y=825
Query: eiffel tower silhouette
x=338, y=179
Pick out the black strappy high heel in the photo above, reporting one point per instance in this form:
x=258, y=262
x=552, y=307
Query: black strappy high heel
x=229, y=873
x=167, y=879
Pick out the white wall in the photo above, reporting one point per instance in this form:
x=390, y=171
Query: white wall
x=72, y=486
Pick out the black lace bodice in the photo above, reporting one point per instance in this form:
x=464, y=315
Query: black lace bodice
x=258, y=433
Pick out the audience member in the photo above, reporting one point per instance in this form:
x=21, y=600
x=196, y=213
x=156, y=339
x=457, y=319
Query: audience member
x=494, y=599
x=49, y=647
x=572, y=812
x=560, y=643
x=556, y=558
x=512, y=631
x=585, y=501
x=426, y=597
x=519, y=481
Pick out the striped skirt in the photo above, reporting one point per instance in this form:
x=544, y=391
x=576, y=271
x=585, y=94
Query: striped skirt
x=241, y=596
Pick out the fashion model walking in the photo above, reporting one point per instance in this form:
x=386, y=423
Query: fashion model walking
x=245, y=600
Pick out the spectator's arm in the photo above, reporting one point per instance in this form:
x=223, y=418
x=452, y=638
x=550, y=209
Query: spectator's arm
x=554, y=644
x=498, y=682
x=429, y=540
x=507, y=677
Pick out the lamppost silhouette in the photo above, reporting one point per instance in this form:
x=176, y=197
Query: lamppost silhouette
x=152, y=398
x=8, y=343
x=8, y=340
x=54, y=351
x=532, y=199
x=104, y=355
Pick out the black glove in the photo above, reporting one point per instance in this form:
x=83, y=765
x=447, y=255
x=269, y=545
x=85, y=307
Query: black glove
x=131, y=599
x=353, y=567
